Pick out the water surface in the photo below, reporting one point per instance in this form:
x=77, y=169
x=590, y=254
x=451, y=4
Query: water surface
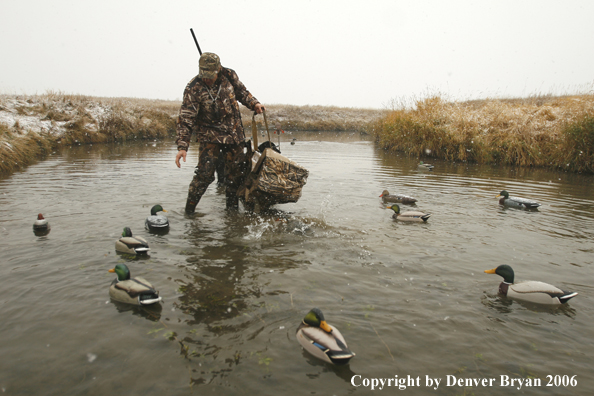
x=411, y=299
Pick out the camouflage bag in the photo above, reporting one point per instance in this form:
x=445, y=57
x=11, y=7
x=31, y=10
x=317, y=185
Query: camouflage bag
x=273, y=179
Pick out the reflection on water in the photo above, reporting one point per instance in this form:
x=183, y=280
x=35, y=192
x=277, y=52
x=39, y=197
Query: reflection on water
x=411, y=299
x=505, y=305
x=150, y=312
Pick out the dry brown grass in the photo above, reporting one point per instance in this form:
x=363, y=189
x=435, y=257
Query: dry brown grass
x=40, y=123
x=535, y=131
x=315, y=118
x=33, y=125
x=527, y=132
x=18, y=150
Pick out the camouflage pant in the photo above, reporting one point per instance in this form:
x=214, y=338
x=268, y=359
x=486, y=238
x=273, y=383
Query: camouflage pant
x=204, y=175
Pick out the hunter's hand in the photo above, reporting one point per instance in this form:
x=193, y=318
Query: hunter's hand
x=180, y=154
x=259, y=108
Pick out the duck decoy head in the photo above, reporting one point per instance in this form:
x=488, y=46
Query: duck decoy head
x=503, y=194
x=315, y=318
x=157, y=208
x=505, y=271
x=122, y=271
x=395, y=208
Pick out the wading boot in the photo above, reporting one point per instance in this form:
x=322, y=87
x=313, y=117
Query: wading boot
x=191, y=205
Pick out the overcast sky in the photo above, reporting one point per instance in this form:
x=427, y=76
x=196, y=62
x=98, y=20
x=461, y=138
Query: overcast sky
x=333, y=53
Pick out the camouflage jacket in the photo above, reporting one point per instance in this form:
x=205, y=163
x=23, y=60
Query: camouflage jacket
x=213, y=112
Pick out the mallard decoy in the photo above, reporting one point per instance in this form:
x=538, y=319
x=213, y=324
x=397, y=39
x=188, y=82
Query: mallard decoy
x=157, y=222
x=41, y=224
x=323, y=340
x=516, y=202
x=136, y=291
x=131, y=244
x=405, y=199
x=532, y=291
x=425, y=166
x=412, y=215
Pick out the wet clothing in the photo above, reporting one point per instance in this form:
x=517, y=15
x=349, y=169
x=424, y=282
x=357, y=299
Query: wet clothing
x=235, y=164
x=213, y=114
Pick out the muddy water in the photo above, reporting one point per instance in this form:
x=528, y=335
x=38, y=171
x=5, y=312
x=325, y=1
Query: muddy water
x=411, y=299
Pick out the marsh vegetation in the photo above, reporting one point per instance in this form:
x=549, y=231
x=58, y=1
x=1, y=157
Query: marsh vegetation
x=32, y=126
x=543, y=131
x=540, y=131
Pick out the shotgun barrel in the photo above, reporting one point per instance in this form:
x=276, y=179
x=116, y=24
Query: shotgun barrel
x=196, y=41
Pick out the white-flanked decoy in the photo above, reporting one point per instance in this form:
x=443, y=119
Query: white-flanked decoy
x=411, y=215
x=323, y=340
x=532, y=291
x=424, y=166
x=41, y=225
x=157, y=222
x=516, y=202
x=130, y=244
x=136, y=291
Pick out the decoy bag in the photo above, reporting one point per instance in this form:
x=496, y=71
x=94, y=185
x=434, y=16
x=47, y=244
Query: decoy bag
x=273, y=179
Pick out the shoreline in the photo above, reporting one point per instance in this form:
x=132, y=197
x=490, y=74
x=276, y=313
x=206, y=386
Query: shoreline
x=555, y=132
x=31, y=126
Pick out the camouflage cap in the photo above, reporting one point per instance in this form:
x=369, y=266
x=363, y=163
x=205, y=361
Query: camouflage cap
x=209, y=65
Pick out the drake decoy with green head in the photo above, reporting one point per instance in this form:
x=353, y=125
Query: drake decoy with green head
x=424, y=166
x=400, y=198
x=135, y=291
x=322, y=340
x=130, y=244
x=157, y=222
x=531, y=291
x=516, y=202
x=412, y=215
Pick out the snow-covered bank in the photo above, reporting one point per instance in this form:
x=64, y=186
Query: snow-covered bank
x=30, y=126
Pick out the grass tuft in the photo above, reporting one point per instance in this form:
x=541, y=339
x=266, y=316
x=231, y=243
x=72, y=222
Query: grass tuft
x=579, y=144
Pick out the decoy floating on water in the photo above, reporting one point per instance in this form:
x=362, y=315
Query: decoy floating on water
x=532, y=291
x=323, y=340
x=136, y=291
x=157, y=222
x=130, y=244
x=405, y=199
x=412, y=215
x=425, y=166
x=41, y=225
x=516, y=202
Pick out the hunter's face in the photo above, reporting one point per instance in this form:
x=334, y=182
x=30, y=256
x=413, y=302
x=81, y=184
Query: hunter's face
x=209, y=81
